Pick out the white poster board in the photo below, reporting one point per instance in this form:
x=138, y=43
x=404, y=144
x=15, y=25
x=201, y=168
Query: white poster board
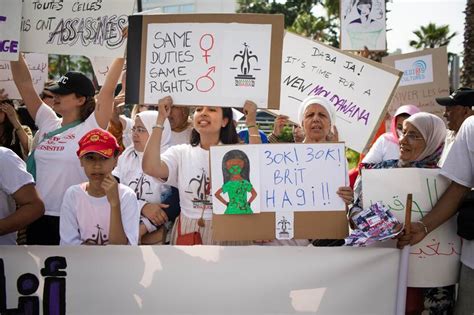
x=287, y=177
x=208, y=63
x=38, y=65
x=434, y=262
x=70, y=27
x=10, y=18
x=359, y=89
x=363, y=25
x=425, y=77
x=201, y=279
x=101, y=65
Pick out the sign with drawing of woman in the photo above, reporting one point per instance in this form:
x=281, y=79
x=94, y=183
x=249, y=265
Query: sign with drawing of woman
x=363, y=24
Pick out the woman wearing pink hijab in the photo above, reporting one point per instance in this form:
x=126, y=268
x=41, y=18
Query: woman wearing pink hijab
x=386, y=147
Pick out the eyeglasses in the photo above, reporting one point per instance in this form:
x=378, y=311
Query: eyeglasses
x=410, y=136
x=139, y=129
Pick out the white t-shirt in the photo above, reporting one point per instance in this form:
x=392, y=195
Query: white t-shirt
x=57, y=164
x=127, y=131
x=13, y=176
x=459, y=167
x=189, y=173
x=147, y=188
x=87, y=219
x=448, y=143
x=382, y=150
x=182, y=137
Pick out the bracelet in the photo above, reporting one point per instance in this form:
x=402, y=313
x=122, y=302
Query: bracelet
x=254, y=136
x=158, y=126
x=424, y=227
x=251, y=126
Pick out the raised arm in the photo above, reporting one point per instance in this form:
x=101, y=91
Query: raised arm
x=152, y=163
x=250, y=111
x=105, y=99
x=24, y=83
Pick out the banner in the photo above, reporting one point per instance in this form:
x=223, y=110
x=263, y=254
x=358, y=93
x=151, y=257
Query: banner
x=348, y=81
x=70, y=27
x=434, y=262
x=38, y=65
x=363, y=25
x=425, y=77
x=198, y=279
x=248, y=180
x=10, y=17
x=205, y=59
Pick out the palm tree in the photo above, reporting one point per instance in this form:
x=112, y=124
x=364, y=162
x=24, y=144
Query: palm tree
x=432, y=36
x=467, y=75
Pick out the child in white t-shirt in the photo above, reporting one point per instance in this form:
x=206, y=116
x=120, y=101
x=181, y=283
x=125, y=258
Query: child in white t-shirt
x=100, y=211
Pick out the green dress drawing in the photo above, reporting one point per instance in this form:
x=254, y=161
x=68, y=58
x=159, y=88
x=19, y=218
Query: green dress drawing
x=237, y=191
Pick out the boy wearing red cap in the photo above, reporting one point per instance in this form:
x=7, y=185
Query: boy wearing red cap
x=100, y=211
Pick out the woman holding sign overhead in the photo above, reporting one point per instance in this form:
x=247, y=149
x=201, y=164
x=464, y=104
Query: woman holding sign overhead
x=186, y=166
x=54, y=163
x=421, y=144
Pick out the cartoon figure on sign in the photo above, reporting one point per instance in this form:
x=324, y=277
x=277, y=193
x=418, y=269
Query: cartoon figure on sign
x=364, y=25
x=245, y=79
x=235, y=170
x=284, y=224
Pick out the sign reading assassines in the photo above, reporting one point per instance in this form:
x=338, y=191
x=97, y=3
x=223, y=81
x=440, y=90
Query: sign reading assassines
x=434, y=262
x=425, y=77
x=250, y=183
x=10, y=16
x=38, y=65
x=88, y=27
x=359, y=88
x=205, y=59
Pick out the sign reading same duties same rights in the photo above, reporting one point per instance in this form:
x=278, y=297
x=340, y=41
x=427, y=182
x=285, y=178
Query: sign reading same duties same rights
x=205, y=59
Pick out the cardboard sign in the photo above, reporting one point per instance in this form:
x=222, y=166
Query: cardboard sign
x=70, y=27
x=205, y=59
x=434, y=262
x=250, y=183
x=38, y=65
x=363, y=25
x=10, y=17
x=148, y=280
x=311, y=68
x=425, y=77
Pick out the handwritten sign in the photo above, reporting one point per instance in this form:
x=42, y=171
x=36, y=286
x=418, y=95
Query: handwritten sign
x=10, y=16
x=38, y=65
x=363, y=25
x=60, y=280
x=286, y=177
x=311, y=68
x=217, y=60
x=88, y=27
x=425, y=77
x=434, y=262
x=100, y=65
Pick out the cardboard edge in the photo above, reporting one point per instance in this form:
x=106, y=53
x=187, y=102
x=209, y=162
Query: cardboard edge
x=134, y=45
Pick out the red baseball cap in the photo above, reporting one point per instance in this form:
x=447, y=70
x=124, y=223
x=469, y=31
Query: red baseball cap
x=98, y=141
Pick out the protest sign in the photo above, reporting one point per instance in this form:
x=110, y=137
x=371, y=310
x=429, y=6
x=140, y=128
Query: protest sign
x=205, y=59
x=70, y=27
x=38, y=65
x=434, y=262
x=148, y=279
x=359, y=88
x=100, y=65
x=425, y=77
x=10, y=17
x=265, y=179
x=363, y=25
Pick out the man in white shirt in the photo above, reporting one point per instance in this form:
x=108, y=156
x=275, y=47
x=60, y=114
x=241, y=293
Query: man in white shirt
x=17, y=192
x=458, y=167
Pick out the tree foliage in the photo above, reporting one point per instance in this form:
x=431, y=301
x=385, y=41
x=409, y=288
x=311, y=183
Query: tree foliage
x=60, y=64
x=467, y=75
x=432, y=36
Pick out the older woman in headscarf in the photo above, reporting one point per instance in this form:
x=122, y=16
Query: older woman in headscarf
x=150, y=192
x=421, y=145
x=386, y=147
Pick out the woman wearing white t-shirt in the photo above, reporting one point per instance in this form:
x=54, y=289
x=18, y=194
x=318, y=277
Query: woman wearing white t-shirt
x=54, y=163
x=186, y=166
